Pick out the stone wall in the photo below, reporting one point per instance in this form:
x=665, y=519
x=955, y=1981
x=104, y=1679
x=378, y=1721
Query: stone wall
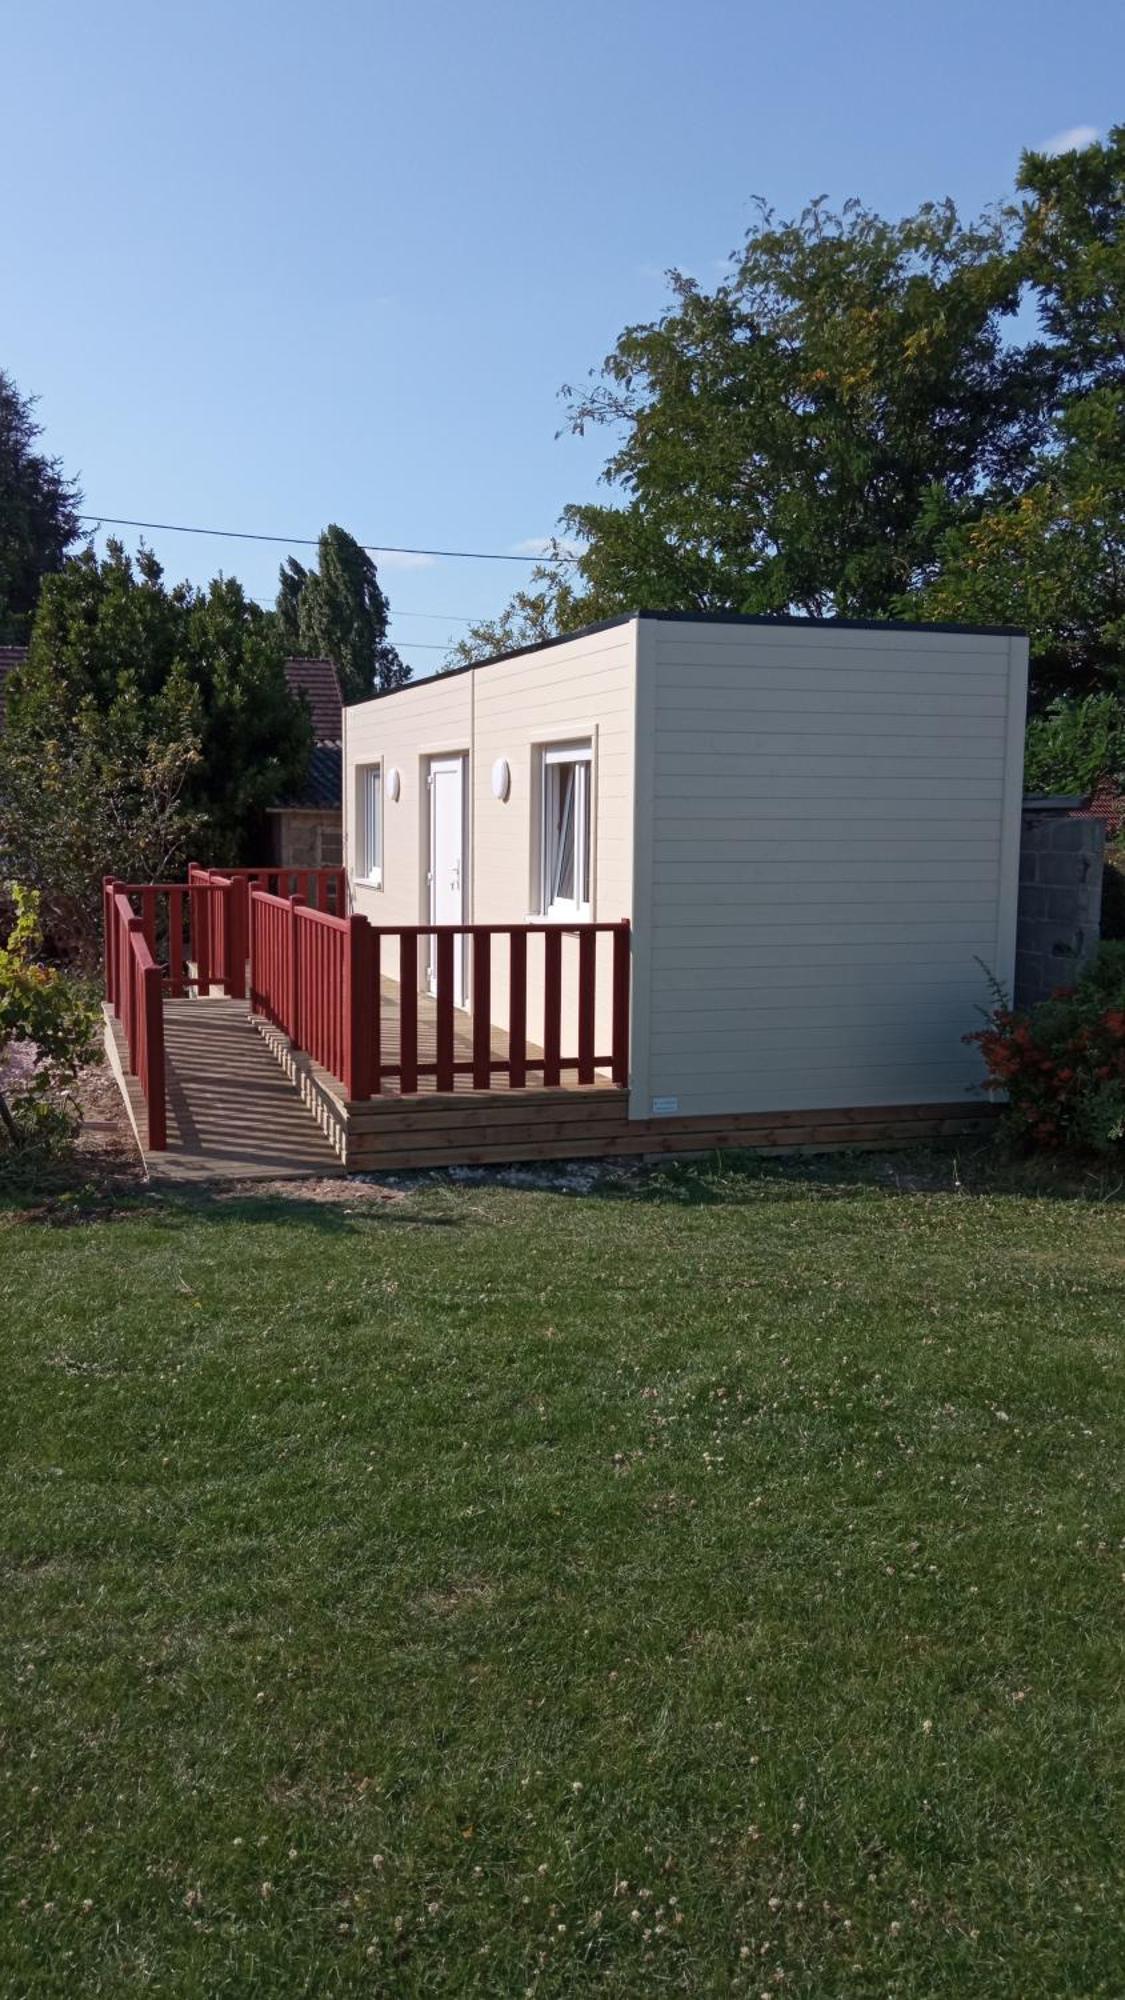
x=1060, y=897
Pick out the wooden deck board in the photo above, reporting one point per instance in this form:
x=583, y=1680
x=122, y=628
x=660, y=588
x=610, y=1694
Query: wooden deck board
x=232, y=1113
x=389, y=1019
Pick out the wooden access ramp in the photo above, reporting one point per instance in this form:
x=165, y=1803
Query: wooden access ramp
x=233, y=1114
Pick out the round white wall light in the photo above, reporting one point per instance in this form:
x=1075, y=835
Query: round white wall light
x=501, y=778
x=394, y=784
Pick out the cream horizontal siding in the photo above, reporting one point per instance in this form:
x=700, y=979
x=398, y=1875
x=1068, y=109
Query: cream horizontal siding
x=402, y=731
x=581, y=691
x=578, y=691
x=830, y=852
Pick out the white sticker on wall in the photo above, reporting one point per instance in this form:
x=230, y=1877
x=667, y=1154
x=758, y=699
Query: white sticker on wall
x=665, y=1107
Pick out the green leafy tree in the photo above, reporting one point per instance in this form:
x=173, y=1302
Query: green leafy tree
x=339, y=612
x=96, y=793
x=1074, y=743
x=38, y=513
x=1053, y=558
x=146, y=721
x=531, y=616
x=801, y=437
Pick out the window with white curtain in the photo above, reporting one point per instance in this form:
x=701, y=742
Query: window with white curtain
x=565, y=831
x=370, y=825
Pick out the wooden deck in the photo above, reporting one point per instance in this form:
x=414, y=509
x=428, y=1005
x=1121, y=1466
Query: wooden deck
x=389, y=1018
x=243, y=1104
x=464, y=1126
x=232, y=1114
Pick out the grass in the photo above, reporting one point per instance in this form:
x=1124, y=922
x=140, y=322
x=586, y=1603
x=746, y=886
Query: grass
x=707, y=1585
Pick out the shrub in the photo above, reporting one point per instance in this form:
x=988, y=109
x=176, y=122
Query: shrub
x=47, y=1036
x=1062, y=1063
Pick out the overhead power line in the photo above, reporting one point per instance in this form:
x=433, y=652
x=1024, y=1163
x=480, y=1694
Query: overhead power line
x=309, y=541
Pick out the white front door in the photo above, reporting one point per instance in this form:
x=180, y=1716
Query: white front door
x=447, y=857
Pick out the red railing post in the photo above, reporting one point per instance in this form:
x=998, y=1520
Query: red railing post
x=152, y=1000
x=408, y=1012
x=517, y=1009
x=293, y=1025
x=237, y=906
x=199, y=897
x=621, y=945
x=175, y=941
x=376, y=989
x=444, y=957
x=360, y=1004
x=482, y=1008
x=251, y=948
x=552, y=1007
x=587, y=991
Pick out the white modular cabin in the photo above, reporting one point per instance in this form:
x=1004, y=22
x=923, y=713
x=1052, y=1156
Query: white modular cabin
x=812, y=827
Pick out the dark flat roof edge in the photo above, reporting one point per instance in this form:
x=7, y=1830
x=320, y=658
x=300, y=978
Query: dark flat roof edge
x=782, y=618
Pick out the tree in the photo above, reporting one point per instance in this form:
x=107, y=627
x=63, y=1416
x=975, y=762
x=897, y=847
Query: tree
x=801, y=437
x=1053, y=559
x=38, y=513
x=1074, y=743
x=51, y=1021
x=338, y=612
x=145, y=722
x=530, y=617
x=89, y=800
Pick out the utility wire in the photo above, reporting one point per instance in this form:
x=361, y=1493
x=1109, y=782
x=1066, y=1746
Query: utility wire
x=309, y=541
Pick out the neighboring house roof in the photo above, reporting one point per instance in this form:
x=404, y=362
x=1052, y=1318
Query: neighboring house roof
x=323, y=789
x=320, y=683
x=10, y=658
x=1107, y=803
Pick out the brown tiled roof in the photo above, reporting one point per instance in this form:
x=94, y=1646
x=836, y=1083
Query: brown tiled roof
x=1107, y=803
x=10, y=658
x=320, y=683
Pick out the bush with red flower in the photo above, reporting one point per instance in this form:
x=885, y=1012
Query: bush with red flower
x=1062, y=1063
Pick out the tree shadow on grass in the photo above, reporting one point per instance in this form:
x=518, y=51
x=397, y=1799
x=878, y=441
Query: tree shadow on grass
x=70, y=1193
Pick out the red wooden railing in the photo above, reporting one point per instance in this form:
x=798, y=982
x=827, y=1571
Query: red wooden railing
x=220, y=930
x=320, y=888
x=198, y=930
x=134, y=989
x=328, y=980
x=319, y=979
x=553, y=1053
x=311, y=974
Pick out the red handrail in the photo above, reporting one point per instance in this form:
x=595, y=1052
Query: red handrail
x=320, y=888
x=317, y=977
x=134, y=989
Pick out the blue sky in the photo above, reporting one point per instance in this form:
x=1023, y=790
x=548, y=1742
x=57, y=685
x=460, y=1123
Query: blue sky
x=268, y=266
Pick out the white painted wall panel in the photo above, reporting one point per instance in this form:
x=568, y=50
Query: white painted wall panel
x=578, y=690
x=832, y=845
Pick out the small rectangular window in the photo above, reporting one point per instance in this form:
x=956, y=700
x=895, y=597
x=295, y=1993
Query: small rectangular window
x=370, y=825
x=565, y=831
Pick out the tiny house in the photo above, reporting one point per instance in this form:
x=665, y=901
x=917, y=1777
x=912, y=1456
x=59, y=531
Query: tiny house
x=811, y=828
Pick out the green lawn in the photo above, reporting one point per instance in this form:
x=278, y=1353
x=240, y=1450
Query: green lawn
x=707, y=1586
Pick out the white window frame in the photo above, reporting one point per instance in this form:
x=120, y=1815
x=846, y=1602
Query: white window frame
x=369, y=824
x=552, y=907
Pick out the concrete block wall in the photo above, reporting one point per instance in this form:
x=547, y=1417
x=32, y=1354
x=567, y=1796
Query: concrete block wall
x=307, y=838
x=1060, y=897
